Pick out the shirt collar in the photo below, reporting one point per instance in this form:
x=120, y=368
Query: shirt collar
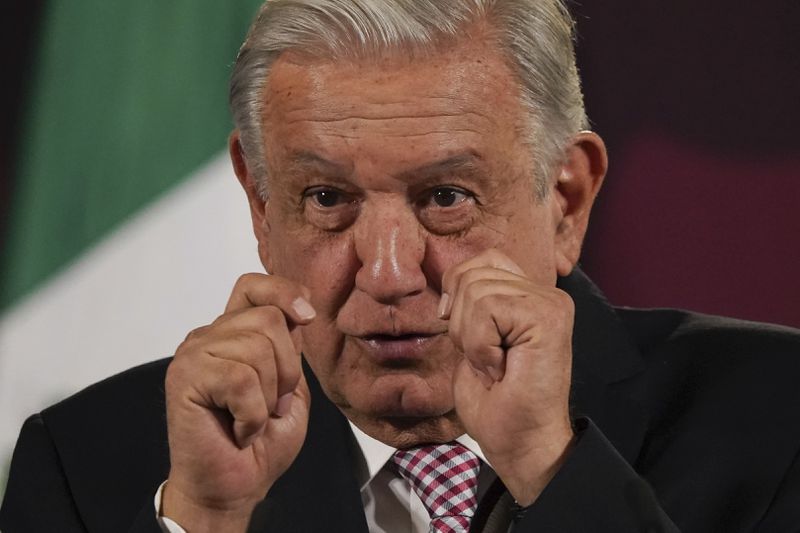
x=376, y=453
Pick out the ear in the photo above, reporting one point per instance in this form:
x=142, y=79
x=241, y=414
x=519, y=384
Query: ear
x=258, y=205
x=577, y=184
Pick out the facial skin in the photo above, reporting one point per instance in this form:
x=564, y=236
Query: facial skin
x=383, y=175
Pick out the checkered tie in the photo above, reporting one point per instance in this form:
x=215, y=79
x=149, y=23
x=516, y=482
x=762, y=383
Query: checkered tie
x=445, y=477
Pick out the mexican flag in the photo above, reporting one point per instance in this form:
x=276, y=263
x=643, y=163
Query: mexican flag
x=127, y=227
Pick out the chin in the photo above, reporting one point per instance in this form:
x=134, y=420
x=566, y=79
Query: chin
x=402, y=396
x=404, y=409
x=401, y=405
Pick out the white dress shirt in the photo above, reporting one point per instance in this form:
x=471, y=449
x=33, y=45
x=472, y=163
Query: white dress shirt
x=390, y=504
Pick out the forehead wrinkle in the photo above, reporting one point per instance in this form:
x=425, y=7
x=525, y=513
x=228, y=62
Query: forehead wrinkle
x=335, y=117
x=435, y=132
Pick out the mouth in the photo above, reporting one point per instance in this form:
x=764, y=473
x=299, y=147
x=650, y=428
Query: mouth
x=398, y=350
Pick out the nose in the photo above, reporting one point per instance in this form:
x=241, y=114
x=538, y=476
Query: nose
x=391, y=247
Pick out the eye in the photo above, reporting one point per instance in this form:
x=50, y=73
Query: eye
x=446, y=210
x=449, y=196
x=325, y=197
x=329, y=208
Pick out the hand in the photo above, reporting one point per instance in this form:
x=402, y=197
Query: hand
x=237, y=405
x=512, y=387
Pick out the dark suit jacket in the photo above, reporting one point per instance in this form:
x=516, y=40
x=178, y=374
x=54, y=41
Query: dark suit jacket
x=704, y=410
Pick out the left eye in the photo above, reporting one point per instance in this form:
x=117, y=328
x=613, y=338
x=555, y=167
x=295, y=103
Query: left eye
x=449, y=196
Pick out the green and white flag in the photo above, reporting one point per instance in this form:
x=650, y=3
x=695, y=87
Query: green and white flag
x=127, y=228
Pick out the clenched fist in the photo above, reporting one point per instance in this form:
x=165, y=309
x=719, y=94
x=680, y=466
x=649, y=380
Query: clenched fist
x=237, y=405
x=512, y=388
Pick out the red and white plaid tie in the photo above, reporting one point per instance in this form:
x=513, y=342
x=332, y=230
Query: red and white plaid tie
x=445, y=477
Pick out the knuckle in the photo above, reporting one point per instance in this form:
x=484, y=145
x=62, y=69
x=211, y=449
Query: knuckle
x=184, y=350
x=258, y=346
x=174, y=376
x=564, y=303
x=479, y=287
x=195, y=333
x=271, y=319
x=484, y=302
x=242, y=379
x=472, y=275
x=290, y=374
x=274, y=316
x=244, y=281
x=290, y=380
x=180, y=375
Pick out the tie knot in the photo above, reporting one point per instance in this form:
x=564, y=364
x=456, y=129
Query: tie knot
x=445, y=477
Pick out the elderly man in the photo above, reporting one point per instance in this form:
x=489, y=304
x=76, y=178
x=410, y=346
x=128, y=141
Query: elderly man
x=423, y=353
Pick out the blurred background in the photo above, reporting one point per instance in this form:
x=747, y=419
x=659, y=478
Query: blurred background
x=122, y=227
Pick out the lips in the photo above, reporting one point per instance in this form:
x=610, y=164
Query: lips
x=394, y=349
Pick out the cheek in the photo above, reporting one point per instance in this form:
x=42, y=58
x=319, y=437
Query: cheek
x=445, y=252
x=325, y=264
x=527, y=238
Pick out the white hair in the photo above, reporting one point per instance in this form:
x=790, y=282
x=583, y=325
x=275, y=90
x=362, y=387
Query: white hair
x=536, y=36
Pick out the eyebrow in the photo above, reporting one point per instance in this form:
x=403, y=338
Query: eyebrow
x=305, y=158
x=465, y=162
x=468, y=162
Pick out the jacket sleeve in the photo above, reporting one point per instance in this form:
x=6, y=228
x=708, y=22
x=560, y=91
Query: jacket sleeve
x=38, y=496
x=595, y=490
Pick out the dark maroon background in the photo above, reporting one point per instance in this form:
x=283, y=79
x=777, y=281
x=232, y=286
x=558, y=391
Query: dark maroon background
x=699, y=103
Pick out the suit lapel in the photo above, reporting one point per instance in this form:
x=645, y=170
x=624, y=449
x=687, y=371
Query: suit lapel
x=604, y=361
x=319, y=492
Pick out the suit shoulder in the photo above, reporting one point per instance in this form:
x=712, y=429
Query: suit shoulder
x=113, y=430
x=138, y=386
x=728, y=368
x=109, y=442
x=118, y=409
x=700, y=335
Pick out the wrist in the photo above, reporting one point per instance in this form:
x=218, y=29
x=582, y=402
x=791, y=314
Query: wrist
x=201, y=517
x=528, y=473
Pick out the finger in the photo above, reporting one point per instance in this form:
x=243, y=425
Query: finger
x=476, y=326
x=247, y=348
x=491, y=258
x=296, y=409
x=216, y=383
x=270, y=322
x=476, y=283
x=253, y=290
x=285, y=428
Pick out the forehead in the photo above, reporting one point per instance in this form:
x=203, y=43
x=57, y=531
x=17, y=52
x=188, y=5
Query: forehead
x=406, y=110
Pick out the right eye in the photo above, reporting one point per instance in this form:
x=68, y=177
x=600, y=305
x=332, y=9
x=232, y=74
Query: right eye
x=325, y=197
x=329, y=208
